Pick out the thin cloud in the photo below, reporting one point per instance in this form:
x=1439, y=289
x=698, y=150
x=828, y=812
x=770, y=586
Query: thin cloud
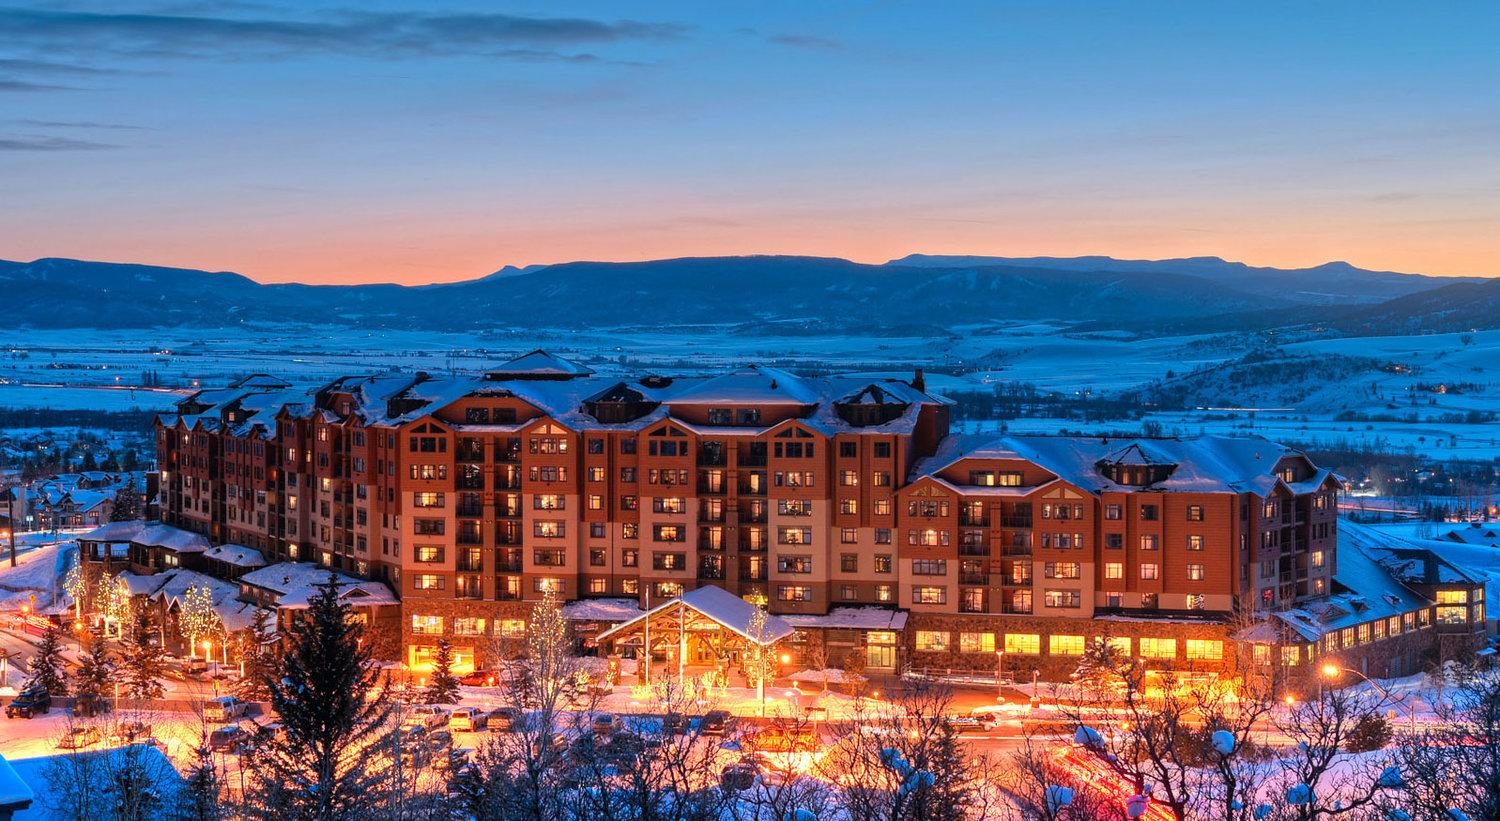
x=50, y=144
x=389, y=36
x=49, y=67
x=80, y=124
x=23, y=85
x=804, y=41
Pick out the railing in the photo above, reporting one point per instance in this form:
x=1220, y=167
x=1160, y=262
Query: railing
x=508, y=565
x=471, y=511
x=707, y=574
x=752, y=575
x=710, y=516
x=974, y=578
x=965, y=520
x=973, y=549
x=751, y=517
x=746, y=460
x=712, y=460
x=470, y=564
x=1017, y=522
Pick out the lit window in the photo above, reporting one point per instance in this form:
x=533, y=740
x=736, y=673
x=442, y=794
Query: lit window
x=1158, y=648
x=976, y=642
x=1029, y=644
x=932, y=641
x=1065, y=645
x=1205, y=649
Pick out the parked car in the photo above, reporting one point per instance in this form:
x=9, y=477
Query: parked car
x=223, y=708
x=129, y=732
x=503, y=719
x=267, y=733
x=605, y=723
x=77, y=738
x=675, y=724
x=230, y=738
x=430, y=716
x=480, y=678
x=456, y=759
x=969, y=723
x=194, y=667
x=714, y=722
x=467, y=720
x=440, y=739
x=30, y=703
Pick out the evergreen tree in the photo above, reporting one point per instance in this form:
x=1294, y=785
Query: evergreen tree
x=259, y=658
x=144, y=661
x=45, y=668
x=127, y=503
x=198, y=800
x=89, y=461
x=443, y=687
x=96, y=670
x=333, y=705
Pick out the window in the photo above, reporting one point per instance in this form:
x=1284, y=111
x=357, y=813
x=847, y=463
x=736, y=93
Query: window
x=847, y=592
x=548, y=501
x=932, y=641
x=848, y=506
x=1195, y=572
x=1065, y=645
x=511, y=628
x=1148, y=513
x=548, y=530
x=1114, y=570
x=1026, y=644
x=976, y=642
x=848, y=535
x=427, y=554
x=672, y=504
x=468, y=626
x=1207, y=649
x=1195, y=543
x=427, y=625
x=884, y=593
x=1195, y=513
x=1062, y=598
x=929, y=567
x=794, y=535
x=1317, y=558
x=849, y=563
x=882, y=450
x=882, y=535
x=929, y=595
x=548, y=558
x=669, y=561
x=597, y=558
x=849, y=478
x=1158, y=648
x=881, y=478
x=793, y=592
x=1149, y=541
x=1452, y=606
x=794, y=564
x=427, y=499
x=427, y=581
x=883, y=563
x=1062, y=570
x=1114, y=541
x=1150, y=571
x=1112, y=512
x=669, y=533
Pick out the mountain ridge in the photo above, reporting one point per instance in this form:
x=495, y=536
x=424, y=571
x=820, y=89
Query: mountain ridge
x=748, y=291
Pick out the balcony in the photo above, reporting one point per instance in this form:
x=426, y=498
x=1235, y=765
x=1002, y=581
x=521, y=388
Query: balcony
x=751, y=517
x=470, y=511
x=746, y=489
x=708, y=542
x=752, y=574
x=712, y=488
x=967, y=520
x=708, y=515
x=751, y=460
x=1013, y=522
x=507, y=564
x=976, y=579
x=711, y=574
x=468, y=588
x=470, y=564
x=712, y=458
x=979, y=549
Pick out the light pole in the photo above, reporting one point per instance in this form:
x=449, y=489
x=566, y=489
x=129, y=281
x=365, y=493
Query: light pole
x=1332, y=671
x=999, y=675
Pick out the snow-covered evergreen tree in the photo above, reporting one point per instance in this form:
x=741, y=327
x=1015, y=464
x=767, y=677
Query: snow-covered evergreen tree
x=45, y=668
x=127, y=503
x=332, y=704
x=199, y=798
x=442, y=688
x=259, y=658
x=96, y=670
x=144, y=661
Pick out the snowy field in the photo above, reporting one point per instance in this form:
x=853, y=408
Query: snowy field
x=1452, y=374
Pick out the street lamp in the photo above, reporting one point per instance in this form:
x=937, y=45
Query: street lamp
x=1000, y=675
x=1332, y=671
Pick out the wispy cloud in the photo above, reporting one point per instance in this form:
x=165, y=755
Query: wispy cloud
x=24, y=85
x=80, y=124
x=384, y=35
x=50, y=144
x=49, y=67
x=803, y=41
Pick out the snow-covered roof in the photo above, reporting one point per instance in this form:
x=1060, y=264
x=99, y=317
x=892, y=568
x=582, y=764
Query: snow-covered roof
x=538, y=363
x=756, y=384
x=724, y=608
x=178, y=581
x=1364, y=589
x=1204, y=464
x=1476, y=533
x=92, y=770
x=15, y=794
x=237, y=555
x=601, y=610
x=296, y=584
x=171, y=538
x=115, y=532
x=853, y=618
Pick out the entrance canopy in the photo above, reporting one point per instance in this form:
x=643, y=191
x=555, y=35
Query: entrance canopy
x=713, y=605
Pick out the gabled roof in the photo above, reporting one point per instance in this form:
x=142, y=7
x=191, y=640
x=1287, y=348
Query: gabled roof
x=171, y=538
x=755, y=385
x=237, y=555
x=1365, y=589
x=115, y=531
x=538, y=364
x=724, y=608
x=296, y=584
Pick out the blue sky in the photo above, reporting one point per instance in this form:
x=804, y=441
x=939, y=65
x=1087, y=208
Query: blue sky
x=424, y=142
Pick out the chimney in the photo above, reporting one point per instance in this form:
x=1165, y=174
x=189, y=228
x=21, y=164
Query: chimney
x=918, y=381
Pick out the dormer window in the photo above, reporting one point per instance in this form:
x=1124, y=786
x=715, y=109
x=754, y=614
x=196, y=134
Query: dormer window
x=749, y=416
x=720, y=416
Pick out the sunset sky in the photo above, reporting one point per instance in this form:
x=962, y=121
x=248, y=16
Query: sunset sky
x=421, y=142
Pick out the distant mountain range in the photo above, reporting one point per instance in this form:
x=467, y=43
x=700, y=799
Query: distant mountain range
x=914, y=294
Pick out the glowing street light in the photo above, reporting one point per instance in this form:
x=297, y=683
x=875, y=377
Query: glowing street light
x=1333, y=671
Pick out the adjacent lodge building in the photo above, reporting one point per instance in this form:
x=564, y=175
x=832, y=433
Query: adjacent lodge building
x=871, y=532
